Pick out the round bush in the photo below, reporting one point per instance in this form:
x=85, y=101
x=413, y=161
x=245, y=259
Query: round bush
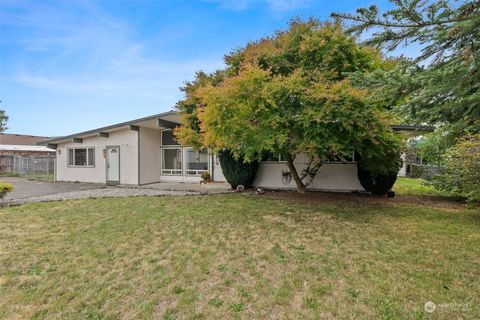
x=236, y=171
x=378, y=174
x=377, y=183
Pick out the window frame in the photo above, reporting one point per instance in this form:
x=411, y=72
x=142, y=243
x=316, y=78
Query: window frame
x=342, y=162
x=88, y=165
x=167, y=145
x=173, y=172
x=280, y=159
x=197, y=173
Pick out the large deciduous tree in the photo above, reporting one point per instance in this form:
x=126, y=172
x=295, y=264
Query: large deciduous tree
x=440, y=86
x=290, y=94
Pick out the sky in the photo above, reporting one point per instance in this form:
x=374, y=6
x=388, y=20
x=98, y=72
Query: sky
x=70, y=66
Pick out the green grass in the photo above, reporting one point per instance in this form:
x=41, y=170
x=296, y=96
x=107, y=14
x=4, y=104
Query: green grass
x=417, y=187
x=237, y=256
x=40, y=177
x=37, y=177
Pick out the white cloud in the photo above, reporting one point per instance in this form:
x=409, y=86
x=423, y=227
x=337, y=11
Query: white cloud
x=276, y=5
x=86, y=51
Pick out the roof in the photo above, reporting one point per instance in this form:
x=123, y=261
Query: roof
x=113, y=127
x=9, y=147
x=173, y=117
x=404, y=127
x=20, y=139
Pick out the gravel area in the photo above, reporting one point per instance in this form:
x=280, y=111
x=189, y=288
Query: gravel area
x=28, y=191
x=100, y=193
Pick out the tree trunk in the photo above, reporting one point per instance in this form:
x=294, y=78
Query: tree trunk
x=293, y=171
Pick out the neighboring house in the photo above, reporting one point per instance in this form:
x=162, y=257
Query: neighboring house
x=23, y=145
x=407, y=160
x=144, y=151
x=26, y=151
x=14, y=147
x=20, y=139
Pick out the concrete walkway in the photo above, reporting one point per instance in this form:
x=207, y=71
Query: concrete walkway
x=26, y=191
x=214, y=187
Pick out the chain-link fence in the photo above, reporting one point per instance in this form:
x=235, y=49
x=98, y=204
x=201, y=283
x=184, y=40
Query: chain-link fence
x=422, y=171
x=41, y=168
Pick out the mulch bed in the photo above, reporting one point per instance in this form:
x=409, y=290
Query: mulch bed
x=354, y=198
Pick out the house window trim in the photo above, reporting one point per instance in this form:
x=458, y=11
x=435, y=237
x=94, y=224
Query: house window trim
x=161, y=161
x=280, y=160
x=198, y=172
x=167, y=145
x=342, y=162
x=78, y=166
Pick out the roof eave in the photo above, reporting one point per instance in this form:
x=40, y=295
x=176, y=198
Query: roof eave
x=107, y=128
x=411, y=128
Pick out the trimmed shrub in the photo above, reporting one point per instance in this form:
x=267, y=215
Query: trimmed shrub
x=380, y=180
x=5, y=188
x=236, y=171
x=377, y=183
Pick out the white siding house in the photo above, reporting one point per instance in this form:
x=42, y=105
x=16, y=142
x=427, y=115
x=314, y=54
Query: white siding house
x=137, y=152
x=144, y=151
x=85, y=160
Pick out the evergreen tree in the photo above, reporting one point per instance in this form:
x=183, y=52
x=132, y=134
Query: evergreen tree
x=442, y=85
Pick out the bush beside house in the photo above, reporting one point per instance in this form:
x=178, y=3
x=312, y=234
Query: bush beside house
x=377, y=174
x=460, y=171
x=237, y=171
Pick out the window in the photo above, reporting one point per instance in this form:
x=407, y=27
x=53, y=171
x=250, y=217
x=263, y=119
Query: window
x=271, y=157
x=81, y=157
x=168, y=139
x=172, y=161
x=197, y=162
x=336, y=159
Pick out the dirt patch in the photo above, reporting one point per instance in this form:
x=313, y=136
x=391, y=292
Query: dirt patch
x=348, y=198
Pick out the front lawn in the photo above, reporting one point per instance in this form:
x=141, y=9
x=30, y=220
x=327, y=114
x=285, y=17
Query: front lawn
x=417, y=187
x=237, y=256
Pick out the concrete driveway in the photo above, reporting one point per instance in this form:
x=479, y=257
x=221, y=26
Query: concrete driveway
x=24, y=188
x=27, y=191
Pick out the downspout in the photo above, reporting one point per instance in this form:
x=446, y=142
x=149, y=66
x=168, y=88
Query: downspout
x=138, y=147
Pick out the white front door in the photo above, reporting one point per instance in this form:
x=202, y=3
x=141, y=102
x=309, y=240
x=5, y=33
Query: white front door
x=113, y=164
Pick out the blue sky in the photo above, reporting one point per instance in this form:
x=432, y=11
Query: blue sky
x=68, y=66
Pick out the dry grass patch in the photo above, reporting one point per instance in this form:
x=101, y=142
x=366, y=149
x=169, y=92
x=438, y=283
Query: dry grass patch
x=236, y=256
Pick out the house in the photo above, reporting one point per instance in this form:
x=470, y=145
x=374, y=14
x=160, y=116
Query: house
x=144, y=151
x=20, y=139
x=23, y=145
x=17, y=149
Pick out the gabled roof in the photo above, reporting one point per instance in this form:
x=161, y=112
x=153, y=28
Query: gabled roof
x=112, y=127
x=20, y=139
x=10, y=147
x=173, y=117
